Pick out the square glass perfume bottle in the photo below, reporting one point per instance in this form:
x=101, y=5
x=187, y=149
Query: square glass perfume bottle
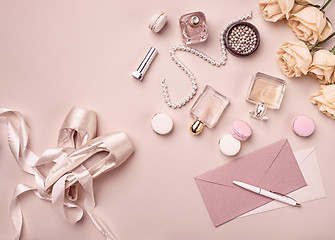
x=193, y=27
x=207, y=109
x=266, y=92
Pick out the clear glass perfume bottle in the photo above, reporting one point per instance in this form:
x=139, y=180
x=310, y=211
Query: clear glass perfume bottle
x=193, y=27
x=207, y=109
x=266, y=92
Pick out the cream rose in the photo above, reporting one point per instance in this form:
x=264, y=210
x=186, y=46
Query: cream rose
x=300, y=4
x=325, y=99
x=309, y=24
x=323, y=67
x=294, y=58
x=274, y=10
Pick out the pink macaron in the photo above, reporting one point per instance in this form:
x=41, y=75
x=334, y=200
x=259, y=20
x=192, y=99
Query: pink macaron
x=240, y=130
x=303, y=126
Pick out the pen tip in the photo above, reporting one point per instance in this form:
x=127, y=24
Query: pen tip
x=297, y=204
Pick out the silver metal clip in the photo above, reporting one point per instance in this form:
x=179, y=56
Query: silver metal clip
x=297, y=204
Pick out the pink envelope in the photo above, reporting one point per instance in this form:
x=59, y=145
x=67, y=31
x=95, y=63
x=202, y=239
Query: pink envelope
x=272, y=168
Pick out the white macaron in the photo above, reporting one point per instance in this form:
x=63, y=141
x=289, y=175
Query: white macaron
x=161, y=123
x=157, y=22
x=229, y=145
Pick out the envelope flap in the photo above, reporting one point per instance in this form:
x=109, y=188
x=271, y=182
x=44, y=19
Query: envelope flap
x=284, y=175
x=250, y=168
x=310, y=167
x=225, y=203
x=303, y=155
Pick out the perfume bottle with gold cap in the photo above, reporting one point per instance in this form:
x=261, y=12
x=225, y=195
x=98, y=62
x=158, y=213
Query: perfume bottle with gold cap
x=207, y=109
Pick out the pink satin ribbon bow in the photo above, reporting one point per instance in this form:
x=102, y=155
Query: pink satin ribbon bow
x=76, y=136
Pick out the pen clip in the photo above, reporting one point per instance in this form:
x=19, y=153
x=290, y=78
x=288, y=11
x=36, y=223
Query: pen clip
x=282, y=194
x=286, y=196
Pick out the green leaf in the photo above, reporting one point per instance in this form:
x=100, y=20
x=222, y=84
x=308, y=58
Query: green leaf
x=333, y=50
x=305, y=3
x=328, y=20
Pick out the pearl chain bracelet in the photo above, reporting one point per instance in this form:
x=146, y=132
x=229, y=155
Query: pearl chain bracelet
x=201, y=55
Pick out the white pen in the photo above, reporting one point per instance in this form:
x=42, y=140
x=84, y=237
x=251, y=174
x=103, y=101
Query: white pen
x=268, y=194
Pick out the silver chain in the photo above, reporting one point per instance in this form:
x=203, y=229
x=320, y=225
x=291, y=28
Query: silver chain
x=201, y=55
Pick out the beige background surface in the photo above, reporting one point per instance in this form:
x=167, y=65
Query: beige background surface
x=59, y=54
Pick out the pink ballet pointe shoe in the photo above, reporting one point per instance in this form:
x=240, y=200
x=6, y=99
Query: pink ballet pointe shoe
x=117, y=147
x=79, y=127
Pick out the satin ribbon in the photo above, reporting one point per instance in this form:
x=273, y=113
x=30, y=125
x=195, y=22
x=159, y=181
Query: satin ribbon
x=28, y=161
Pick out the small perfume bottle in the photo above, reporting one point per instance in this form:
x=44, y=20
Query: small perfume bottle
x=193, y=27
x=266, y=92
x=207, y=109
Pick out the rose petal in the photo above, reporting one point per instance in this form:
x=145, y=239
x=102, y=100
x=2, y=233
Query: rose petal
x=274, y=10
x=309, y=24
x=325, y=99
x=323, y=67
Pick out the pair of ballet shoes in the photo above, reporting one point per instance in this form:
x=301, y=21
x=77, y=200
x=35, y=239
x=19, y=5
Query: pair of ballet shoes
x=78, y=137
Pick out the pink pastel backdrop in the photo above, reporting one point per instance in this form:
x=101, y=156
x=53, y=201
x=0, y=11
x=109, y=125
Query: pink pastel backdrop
x=59, y=54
